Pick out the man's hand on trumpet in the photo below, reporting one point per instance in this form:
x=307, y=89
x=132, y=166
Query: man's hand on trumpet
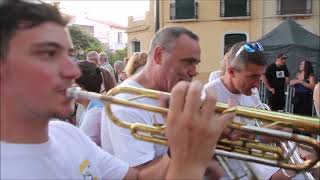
x=193, y=130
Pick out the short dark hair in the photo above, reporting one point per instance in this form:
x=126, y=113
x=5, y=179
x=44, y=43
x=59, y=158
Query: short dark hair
x=308, y=69
x=166, y=37
x=91, y=78
x=18, y=14
x=282, y=56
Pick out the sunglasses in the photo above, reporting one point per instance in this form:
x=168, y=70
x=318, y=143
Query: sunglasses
x=250, y=48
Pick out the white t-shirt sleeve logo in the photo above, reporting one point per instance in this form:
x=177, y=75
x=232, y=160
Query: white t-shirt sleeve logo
x=85, y=170
x=280, y=74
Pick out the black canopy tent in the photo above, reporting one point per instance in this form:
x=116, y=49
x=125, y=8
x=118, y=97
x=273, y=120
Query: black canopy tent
x=298, y=44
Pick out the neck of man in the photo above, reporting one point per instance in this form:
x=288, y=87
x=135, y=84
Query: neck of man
x=21, y=127
x=227, y=82
x=147, y=78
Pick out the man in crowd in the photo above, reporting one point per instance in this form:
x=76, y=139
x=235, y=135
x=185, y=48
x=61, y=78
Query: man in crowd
x=245, y=64
x=93, y=56
x=119, y=71
x=34, y=79
x=104, y=63
x=275, y=79
x=173, y=56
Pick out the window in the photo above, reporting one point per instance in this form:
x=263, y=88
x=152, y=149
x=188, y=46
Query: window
x=294, y=7
x=234, y=8
x=135, y=46
x=119, y=37
x=183, y=9
x=231, y=39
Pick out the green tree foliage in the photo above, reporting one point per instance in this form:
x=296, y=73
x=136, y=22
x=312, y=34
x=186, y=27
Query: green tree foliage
x=84, y=42
x=117, y=55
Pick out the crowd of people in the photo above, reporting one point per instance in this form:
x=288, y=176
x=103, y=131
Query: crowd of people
x=37, y=144
x=277, y=77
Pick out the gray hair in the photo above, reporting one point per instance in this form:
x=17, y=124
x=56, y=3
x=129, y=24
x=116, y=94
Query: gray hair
x=91, y=53
x=166, y=37
x=105, y=57
x=239, y=60
x=118, y=65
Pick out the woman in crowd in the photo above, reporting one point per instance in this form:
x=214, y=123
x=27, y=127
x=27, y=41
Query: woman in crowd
x=136, y=63
x=91, y=80
x=303, y=84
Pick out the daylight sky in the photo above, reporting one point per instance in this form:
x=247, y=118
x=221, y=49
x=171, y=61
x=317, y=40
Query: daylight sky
x=112, y=10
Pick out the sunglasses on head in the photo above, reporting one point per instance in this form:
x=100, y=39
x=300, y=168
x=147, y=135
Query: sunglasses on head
x=250, y=48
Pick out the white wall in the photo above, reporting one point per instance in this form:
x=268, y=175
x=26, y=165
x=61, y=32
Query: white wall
x=101, y=31
x=113, y=37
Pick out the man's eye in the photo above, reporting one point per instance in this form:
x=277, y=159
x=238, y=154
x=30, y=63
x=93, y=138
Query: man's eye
x=48, y=54
x=51, y=53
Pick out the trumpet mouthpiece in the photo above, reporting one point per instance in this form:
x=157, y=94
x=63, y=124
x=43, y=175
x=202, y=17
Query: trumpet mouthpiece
x=73, y=92
x=77, y=93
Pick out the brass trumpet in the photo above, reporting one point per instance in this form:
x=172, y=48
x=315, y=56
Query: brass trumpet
x=251, y=151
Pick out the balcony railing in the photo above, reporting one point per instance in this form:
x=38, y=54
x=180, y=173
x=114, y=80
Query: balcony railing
x=183, y=11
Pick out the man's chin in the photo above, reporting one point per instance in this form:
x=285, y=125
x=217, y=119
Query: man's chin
x=64, y=113
x=248, y=93
x=61, y=115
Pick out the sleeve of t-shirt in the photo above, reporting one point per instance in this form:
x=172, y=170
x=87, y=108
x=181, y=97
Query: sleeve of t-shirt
x=268, y=73
x=286, y=71
x=124, y=145
x=91, y=124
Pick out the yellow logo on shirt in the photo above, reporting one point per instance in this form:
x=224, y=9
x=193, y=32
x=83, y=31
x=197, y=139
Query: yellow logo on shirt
x=85, y=170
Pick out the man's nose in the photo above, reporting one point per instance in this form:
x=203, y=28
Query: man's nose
x=193, y=71
x=70, y=69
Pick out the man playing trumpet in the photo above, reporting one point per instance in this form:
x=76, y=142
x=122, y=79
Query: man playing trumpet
x=173, y=56
x=245, y=64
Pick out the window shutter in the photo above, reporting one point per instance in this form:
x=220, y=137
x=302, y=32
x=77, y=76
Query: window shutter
x=185, y=9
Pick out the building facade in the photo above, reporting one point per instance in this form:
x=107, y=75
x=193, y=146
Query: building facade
x=221, y=23
x=113, y=36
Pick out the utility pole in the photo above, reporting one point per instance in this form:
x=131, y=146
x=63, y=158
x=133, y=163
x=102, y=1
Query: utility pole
x=157, y=15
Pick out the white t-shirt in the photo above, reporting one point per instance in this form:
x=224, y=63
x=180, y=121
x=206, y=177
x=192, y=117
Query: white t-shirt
x=68, y=154
x=79, y=114
x=119, y=141
x=223, y=95
x=91, y=123
x=214, y=75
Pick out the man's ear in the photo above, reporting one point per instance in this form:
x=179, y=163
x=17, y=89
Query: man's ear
x=230, y=70
x=157, y=55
